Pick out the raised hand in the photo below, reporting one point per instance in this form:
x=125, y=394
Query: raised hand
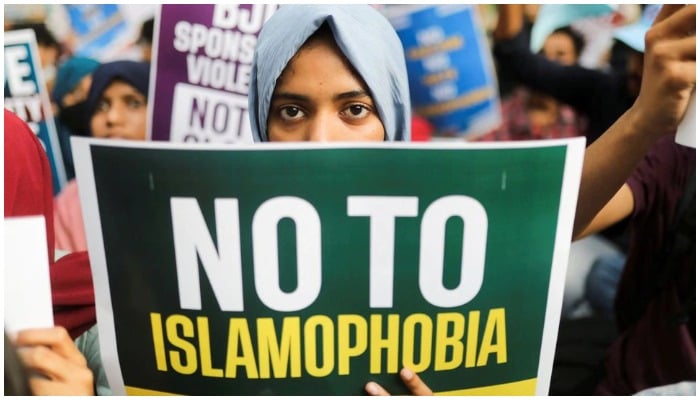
x=669, y=69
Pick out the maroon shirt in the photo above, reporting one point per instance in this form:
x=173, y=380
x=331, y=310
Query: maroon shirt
x=653, y=350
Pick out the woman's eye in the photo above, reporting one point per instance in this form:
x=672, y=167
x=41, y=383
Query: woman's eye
x=135, y=103
x=291, y=113
x=357, y=111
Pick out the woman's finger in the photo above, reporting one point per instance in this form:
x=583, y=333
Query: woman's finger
x=680, y=23
x=666, y=11
x=51, y=373
x=374, y=389
x=42, y=361
x=414, y=383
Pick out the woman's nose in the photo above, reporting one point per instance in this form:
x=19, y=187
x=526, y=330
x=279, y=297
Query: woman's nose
x=114, y=114
x=320, y=128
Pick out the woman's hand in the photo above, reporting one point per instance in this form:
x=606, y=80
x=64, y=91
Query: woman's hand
x=55, y=365
x=669, y=69
x=410, y=379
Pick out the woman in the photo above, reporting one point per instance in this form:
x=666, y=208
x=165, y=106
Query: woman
x=117, y=103
x=336, y=74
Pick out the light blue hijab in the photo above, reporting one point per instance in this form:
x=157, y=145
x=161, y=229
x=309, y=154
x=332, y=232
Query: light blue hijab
x=366, y=38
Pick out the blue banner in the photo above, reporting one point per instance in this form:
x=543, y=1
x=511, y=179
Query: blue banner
x=450, y=68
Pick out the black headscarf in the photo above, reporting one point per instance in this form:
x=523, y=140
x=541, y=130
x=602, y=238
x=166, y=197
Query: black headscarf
x=135, y=73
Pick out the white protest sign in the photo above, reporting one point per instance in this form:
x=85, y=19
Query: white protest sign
x=27, y=281
x=685, y=134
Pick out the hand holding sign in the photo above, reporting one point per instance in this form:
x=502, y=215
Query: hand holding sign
x=60, y=369
x=413, y=382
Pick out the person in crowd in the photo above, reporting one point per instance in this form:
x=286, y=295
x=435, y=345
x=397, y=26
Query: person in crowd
x=320, y=81
x=601, y=96
x=117, y=106
x=28, y=192
x=116, y=103
x=70, y=97
x=528, y=114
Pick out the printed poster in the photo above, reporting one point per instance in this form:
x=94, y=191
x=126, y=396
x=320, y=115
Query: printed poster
x=102, y=31
x=450, y=69
x=272, y=269
x=26, y=96
x=203, y=59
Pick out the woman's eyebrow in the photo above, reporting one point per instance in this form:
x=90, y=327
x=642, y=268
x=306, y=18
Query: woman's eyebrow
x=353, y=94
x=132, y=95
x=290, y=96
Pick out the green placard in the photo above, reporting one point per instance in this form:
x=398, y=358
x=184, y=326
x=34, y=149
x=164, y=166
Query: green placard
x=312, y=269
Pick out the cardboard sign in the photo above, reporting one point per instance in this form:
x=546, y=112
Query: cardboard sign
x=102, y=31
x=26, y=96
x=450, y=68
x=203, y=58
x=312, y=269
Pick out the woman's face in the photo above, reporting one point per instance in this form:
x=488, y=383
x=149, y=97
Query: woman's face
x=320, y=98
x=120, y=113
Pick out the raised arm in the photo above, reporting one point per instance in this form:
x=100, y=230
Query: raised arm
x=510, y=21
x=668, y=80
